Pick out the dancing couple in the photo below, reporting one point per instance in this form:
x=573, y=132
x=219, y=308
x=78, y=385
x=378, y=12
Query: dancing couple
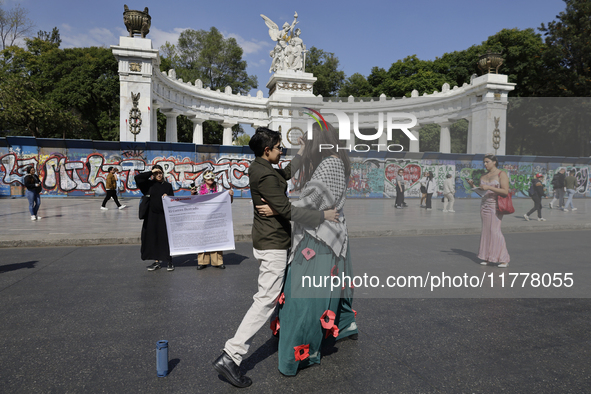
x=318, y=245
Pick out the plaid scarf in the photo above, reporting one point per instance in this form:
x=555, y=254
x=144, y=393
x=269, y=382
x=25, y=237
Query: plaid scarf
x=326, y=190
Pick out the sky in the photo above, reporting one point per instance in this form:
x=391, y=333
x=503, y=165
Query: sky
x=362, y=34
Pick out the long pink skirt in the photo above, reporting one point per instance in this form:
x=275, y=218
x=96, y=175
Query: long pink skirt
x=492, y=243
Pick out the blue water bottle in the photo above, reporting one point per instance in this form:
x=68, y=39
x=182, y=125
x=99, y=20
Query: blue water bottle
x=162, y=358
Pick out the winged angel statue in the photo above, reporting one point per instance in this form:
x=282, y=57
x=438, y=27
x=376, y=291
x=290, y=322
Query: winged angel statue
x=289, y=52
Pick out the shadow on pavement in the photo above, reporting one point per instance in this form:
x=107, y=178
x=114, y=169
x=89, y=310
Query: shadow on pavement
x=17, y=266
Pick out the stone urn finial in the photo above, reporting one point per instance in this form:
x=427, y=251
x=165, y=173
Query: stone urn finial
x=137, y=22
x=490, y=61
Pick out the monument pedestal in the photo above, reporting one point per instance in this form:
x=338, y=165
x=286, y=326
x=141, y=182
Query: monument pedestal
x=283, y=87
x=136, y=60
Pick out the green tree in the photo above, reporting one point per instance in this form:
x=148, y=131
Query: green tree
x=324, y=66
x=14, y=25
x=242, y=140
x=568, y=50
x=78, y=87
x=217, y=62
x=357, y=86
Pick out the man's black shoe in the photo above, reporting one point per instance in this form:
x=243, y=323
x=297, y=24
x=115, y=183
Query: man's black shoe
x=155, y=266
x=222, y=267
x=201, y=266
x=226, y=367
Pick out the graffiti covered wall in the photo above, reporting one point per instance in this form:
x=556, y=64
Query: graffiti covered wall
x=79, y=168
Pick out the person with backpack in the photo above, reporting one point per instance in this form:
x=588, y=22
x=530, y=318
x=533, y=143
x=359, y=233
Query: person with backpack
x=558, y=185
x=536, y=192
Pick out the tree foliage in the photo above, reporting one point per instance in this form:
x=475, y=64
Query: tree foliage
x=217, y=62
x=59, y=93
x=14, y=25
x=324, y=66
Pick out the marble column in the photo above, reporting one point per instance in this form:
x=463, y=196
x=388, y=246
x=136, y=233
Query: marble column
x=171, y=128
x=414, y=145
x=154, y=123
x=227, y=138
x=445, y=138
x=197, y=131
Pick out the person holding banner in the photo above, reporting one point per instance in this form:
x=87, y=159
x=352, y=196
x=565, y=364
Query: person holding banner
x=271, y=239
x=216, y=259
x=154, y=234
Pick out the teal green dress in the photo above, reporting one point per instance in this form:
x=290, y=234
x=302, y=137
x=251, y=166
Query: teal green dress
x=302, y=334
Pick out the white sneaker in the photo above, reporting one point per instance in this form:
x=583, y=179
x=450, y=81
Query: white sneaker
x=574, y=209
x=484, y=263
x=451, y=210
x=541, y=220
x=104, y=209
x=38, y=217
x=122, y=206
x=503, y=265
x=551, y=206
x=445, y=210
x=526, y=217
x=33, y=217
x=565, y=210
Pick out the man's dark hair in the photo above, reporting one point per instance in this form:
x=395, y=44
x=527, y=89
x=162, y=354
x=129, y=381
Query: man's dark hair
x=110, y=169
x=572, y=172
x=263, y=138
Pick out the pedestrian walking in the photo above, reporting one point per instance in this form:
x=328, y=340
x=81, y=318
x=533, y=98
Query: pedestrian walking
x=423, y=183
x=111, y=190
x=494, y=183
x=400, y=190
x=33, y=192
x=431, y=188
x=559, y=189
x=536, y=192
x=449, y=189
x=570, y=184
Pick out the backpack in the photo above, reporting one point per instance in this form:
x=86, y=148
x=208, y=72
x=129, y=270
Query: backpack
x=556, y=180
x=532, y=190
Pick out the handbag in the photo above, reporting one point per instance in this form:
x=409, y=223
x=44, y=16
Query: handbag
x=505, y=205
x=144, y=207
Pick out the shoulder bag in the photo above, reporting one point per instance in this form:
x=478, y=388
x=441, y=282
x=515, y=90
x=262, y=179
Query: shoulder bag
x=505, y=205
x=144, y=207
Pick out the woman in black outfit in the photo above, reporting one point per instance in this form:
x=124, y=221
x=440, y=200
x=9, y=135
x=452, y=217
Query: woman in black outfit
x=154, y=235
x=537, y=197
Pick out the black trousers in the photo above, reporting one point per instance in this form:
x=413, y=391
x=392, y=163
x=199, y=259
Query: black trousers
x=537, y=206
x=111, y=194
x=429, y=195
x=399, y=195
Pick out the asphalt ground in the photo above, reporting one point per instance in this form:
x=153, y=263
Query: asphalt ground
x=72, y=221
x=87, y=319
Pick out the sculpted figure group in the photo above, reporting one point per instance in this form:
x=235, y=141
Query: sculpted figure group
x=290, y=50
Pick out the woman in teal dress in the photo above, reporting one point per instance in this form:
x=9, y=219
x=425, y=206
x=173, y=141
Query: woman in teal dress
x=310, y=316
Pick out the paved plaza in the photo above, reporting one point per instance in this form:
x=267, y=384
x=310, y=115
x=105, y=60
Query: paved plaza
x=84, y=315
x=80, y=222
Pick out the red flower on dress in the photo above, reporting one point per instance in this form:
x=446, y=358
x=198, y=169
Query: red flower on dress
x=275, y=325
x=334, y=271
x=308, y=253
x=334, y=331
x=281, y=299
x=302, y=352
x=331, y=316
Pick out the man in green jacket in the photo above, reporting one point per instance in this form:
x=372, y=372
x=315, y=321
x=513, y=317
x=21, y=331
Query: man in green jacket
x=271, y=239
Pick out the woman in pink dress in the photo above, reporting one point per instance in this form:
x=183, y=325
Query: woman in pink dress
x=492, y=243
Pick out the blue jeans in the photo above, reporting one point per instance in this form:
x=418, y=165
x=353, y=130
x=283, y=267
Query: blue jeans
x=570, y=194
x=34, y=202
